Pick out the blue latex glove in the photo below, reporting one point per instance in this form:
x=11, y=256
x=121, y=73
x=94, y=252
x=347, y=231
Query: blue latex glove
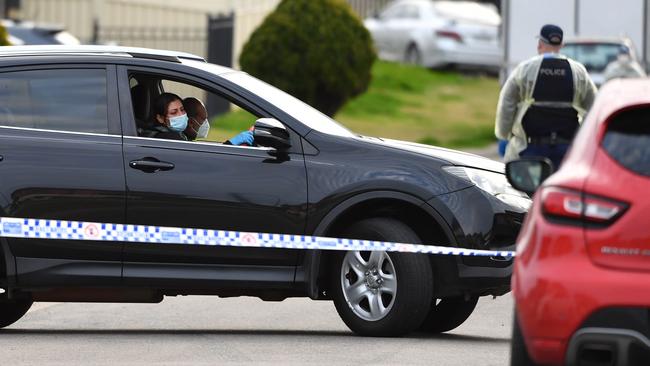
x=244, y=138
x=502, y=147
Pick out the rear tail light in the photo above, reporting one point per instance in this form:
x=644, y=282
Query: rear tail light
x=450, y=34
x=576, y=208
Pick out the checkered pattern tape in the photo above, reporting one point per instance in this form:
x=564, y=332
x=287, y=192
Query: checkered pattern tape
x=76, y=230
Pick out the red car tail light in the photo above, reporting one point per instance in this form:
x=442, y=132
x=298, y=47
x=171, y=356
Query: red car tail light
x=450, y=34
x=575, y=207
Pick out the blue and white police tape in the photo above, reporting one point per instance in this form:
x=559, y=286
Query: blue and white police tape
x=77, y=230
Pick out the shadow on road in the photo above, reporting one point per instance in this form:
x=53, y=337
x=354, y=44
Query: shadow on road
x=461, y=337
x=57, y=332
x=235, y=332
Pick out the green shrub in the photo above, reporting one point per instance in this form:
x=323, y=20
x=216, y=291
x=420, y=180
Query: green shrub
x=316, y=50
x=4, y=37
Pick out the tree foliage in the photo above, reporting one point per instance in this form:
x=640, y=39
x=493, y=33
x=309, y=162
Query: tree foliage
x=4, y=36
x=316, y=50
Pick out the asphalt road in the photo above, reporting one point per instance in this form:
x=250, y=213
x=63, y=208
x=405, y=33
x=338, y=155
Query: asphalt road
x=202, y=330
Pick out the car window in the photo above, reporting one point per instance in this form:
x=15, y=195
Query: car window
x=226, y=118
x=61, y=99
x=595, y=56
x=410, y=12
x=627, y=140
x=392, y=12
x=291, y=105
x=183, y=89
x=468, y=12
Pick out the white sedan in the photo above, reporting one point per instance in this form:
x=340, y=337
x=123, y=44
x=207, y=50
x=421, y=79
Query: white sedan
x=438, y=33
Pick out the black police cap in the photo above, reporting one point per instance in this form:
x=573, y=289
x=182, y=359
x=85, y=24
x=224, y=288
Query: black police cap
x=551, y=34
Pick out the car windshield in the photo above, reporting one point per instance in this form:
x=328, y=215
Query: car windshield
x=297, y=109
x=595, y=56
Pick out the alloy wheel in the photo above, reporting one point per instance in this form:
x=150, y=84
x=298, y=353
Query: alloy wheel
x=369, y=283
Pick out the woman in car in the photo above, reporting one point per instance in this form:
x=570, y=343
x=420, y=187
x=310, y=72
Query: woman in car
x=169, y=119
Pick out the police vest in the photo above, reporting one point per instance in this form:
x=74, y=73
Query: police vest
x=552, y=113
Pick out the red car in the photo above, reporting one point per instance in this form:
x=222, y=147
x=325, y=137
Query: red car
x=581, y=281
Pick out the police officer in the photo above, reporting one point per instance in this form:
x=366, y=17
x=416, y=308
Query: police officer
x=542, y=103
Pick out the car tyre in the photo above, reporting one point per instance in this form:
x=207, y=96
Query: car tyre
x=378, y=293
x=518, y=352
x=448, y=313
x=413, y=55
x=12, y=310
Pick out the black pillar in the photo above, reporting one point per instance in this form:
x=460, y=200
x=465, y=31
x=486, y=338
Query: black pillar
x=220, y=51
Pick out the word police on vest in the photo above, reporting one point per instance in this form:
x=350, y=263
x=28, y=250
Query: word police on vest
x=552, y=72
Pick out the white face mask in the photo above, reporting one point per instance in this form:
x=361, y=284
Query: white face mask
x=203, y=130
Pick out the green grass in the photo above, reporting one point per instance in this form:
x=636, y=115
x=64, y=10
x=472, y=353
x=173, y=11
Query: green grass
x=409, y=103
x=433, y=107
x=228, y=125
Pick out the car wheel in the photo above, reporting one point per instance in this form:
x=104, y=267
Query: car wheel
x=12, y=310
x=379, y=293
x=518, y=353
x=448, y=313
x=413, y=55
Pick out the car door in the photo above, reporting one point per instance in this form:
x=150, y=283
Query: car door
x=212, y=186
x=61, y=158
x=380, y=28
x=402, y=28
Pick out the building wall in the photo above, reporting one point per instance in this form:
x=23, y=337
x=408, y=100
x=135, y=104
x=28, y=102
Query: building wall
x=149, y=23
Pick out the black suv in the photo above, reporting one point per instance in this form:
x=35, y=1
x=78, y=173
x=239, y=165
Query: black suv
x=70, y=150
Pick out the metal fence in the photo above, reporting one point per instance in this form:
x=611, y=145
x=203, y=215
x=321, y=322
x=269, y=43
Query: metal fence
x=186, y=39
x=150, y=23
x=368, y=8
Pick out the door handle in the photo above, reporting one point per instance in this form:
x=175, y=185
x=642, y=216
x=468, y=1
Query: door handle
x=150, y=165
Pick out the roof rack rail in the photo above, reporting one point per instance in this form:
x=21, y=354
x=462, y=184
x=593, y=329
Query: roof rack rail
x=155, y=57
x=135, y=52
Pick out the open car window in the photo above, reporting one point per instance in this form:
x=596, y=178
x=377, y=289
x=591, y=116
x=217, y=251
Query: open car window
x=226, y=118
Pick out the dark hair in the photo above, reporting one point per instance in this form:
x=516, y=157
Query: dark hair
x=162, y=102
x=192, y=105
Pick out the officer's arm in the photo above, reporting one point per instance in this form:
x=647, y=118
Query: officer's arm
x=589, y=92
x=507, y=107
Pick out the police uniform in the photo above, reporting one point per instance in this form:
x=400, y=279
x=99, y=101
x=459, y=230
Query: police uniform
x=542, y=105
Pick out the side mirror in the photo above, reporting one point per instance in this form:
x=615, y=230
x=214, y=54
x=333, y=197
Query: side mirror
x=527, y=175
x=270, y=132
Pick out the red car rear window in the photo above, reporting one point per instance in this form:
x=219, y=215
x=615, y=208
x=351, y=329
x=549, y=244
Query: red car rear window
x=627, y=140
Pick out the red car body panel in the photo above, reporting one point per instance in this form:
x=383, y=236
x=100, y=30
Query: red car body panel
x=563, y=272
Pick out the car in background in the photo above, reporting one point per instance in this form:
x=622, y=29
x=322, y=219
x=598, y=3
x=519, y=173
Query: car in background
x=29, y=33
x=581, y=282
x=597, y=53
x=438, y=33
